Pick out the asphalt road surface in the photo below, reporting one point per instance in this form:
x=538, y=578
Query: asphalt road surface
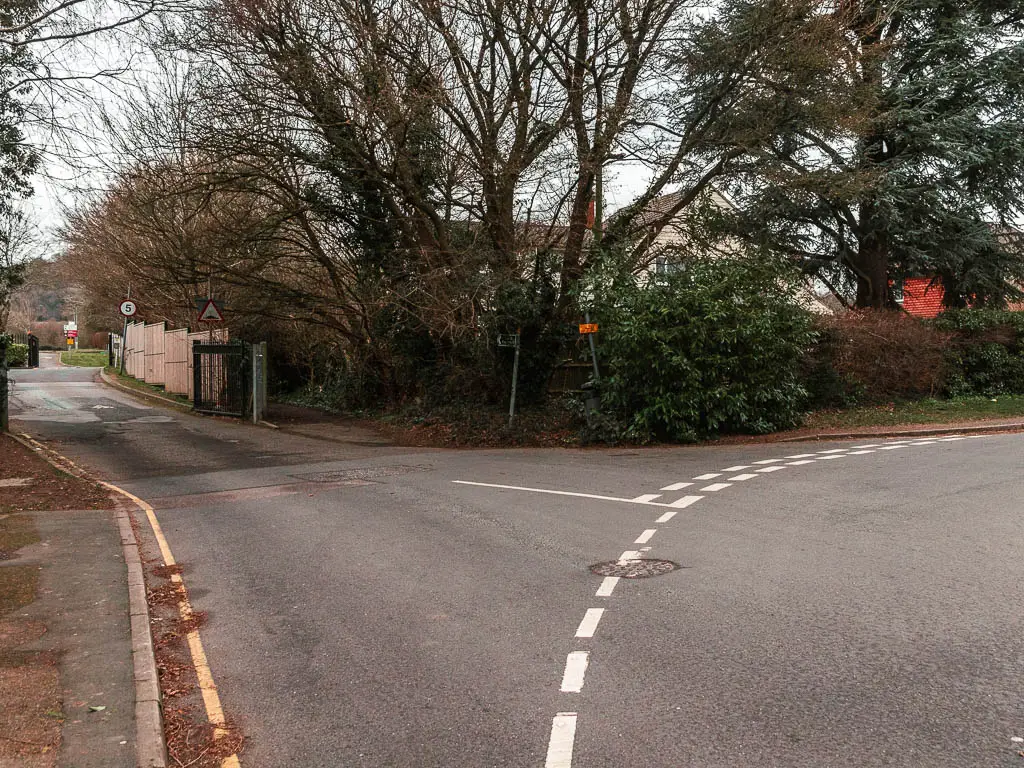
x=837, y=604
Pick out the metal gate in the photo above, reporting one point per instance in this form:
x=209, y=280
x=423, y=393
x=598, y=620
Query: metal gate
x=221, y=374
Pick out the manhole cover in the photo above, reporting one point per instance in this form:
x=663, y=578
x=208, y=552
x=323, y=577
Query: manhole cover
x=634, y=569
x=362, y=473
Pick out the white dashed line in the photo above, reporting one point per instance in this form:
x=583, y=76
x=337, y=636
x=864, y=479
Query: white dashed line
x=646, y=497
x=607, y=586
x=859, y=453
x=769, y=469
x=768, y=461
x=833, y=456
x=891, y=447
x=666, y=517
x=644, y=537
x=676, y=486
x=869, y=445
x=802, y=456
x=566, y=493
x=708, y=476
x=716, y=487
x=951, y=439
x=588, y=626
x=737, y=468
x=800, y=463
x=575, y=668
x=743, y=477
x=925, y=442
x=686, y=501
x=835, y=450
x=563, y=734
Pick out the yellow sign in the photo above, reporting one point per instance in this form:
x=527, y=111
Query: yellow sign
x=70, y=342
x=588, y=327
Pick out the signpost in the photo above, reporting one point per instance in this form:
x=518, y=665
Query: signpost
x=128, y=309
x=511, y=340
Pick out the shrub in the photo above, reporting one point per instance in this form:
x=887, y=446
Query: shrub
x=883, y=355
x=987, y=353
x=713, y=348
x=17, y=355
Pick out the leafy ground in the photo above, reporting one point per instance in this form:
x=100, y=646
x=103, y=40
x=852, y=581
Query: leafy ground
x=30, y=697
x=85, y=358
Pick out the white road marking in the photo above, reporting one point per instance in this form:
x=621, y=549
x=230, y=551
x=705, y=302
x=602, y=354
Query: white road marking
x=800, y=463
x=667, y=516
x=588, y=626
x=716, y=487
x=567, y=493
x=768, y=461
x=769, y=469
x=646, y=497
x=644, y=537
x=708, y=476
x=859, y=453
x=676, y=486
x=575, y=668
x=685, y=501
x=925, y=442
x=836, y=450
x=737, y=468
x=802, y=456
x=563, y=734
x=891, y=447
x=743, y=477
x=951, y=439
x=833, y=456
x=629, y=554
x=607, y=586
x=869, y=445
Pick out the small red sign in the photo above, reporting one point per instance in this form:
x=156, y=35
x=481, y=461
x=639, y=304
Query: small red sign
x=72, y=334
x=588, y=327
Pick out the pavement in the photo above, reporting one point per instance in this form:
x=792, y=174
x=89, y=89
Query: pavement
x=835, y=604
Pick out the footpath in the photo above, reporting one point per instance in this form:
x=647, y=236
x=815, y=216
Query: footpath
x=69, y=679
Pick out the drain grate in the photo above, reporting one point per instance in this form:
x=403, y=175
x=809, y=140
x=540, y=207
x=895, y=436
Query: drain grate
x=362, y=473
x=634, y=569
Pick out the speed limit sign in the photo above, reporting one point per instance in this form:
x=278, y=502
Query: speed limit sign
x=128, y=308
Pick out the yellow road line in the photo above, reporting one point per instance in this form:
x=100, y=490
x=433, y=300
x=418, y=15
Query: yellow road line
x=207, y=688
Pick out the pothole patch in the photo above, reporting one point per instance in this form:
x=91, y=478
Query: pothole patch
x=642, y=568
x=361, y=473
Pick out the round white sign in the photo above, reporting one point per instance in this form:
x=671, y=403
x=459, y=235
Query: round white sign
x=128, y=308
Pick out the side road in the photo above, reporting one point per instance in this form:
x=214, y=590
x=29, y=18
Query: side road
x=73, y=688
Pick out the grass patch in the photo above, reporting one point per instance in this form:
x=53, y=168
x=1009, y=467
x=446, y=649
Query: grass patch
x=142, y=386
x=926, y=411
x=85, y=358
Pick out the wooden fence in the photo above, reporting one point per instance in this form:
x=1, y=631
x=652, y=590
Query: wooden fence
x=159, y=356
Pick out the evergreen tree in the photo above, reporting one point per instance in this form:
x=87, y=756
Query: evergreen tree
x=910, y=161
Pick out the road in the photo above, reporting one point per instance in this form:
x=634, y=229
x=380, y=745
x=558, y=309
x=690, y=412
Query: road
x=846, y=604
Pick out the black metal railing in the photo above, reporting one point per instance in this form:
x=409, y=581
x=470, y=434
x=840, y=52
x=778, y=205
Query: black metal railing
x=221, y=378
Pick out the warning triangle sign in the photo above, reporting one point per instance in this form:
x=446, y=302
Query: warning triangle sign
x=211, y=312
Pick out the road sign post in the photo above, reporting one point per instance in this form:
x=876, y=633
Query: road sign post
x=128, y=309
x=511, y=340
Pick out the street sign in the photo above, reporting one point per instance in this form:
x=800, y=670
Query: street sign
x=588, y=328
x=70, y=341
x=508, y=339
x=211, y=312
x=72, y=334
x=128, y=308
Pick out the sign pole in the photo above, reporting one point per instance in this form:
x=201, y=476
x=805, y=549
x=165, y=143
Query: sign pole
x=124, y=332
x=593, y=349
x=515, y=378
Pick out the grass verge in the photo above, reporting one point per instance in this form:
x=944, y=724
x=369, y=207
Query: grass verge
x=85, y=358
x=142, y=386
x=927, y=411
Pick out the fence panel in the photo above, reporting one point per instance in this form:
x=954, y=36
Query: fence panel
x=154, y=370
x=176, y=361
x=135, y=351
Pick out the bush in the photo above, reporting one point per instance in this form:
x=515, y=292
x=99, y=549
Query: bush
x=882, y=355
x=711, y=349
x=987, y=353
x=17, y=355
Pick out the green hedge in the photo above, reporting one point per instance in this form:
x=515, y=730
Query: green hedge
x=711, y=349
x=17, y=355
x=986, y=356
